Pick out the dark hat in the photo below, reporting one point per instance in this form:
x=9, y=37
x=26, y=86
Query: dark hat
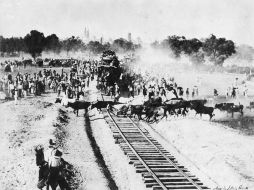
x=52, y=142
x=58, y=152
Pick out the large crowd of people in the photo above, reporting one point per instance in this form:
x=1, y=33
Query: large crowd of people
x=17, y=86
x=73, y=84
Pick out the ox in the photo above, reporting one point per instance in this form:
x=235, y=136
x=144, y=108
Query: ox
x=103, y=104
x=136, y=110
x=154, y=102
x=153, y=113
x=64, y=101
x=201, y=109
x=78, y=105
x=230, y=108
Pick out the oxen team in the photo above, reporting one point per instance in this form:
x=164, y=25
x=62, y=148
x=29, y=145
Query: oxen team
x=155, y=109
x=152, y=109
x=176, y=107
x=160, y=99
x=154, y=105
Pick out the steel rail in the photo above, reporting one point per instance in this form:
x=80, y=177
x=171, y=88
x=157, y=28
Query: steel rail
x=165, y=156
x=137, y=155
x=157, y=149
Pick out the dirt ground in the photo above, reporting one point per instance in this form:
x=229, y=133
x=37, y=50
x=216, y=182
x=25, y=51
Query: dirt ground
x=88, y=145
x=220, y=153
x=124, y=175
x=33, y=121
x=23, y=126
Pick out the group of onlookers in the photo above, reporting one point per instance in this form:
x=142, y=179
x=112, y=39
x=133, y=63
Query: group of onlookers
x=23, y=85
x=233, y=91
x=17, y=86
x=73, y=83
x=165, y=89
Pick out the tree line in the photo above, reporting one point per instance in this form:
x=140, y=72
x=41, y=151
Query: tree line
x=35, y=42
x=216, y=50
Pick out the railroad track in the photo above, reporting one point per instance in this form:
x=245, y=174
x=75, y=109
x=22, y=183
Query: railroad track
x=158, y=167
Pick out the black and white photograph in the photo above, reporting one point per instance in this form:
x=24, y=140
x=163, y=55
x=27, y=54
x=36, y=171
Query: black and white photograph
x=126, y=94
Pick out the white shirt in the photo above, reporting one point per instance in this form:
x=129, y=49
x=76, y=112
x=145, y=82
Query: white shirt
x=55, y=161
x=48, y=154
x=11, y=86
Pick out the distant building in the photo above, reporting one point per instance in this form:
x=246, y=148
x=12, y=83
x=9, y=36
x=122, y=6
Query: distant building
x=86, y=35
x=139, y=40
x=129, y=37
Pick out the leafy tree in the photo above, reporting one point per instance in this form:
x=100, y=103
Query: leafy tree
x=106, y=46
x=136, y=46
x=155, y=44
x=197, y=57
x=179, y=44
x=122, y=44
x=1, y=45
x=12, y=45
x=176, y=44
x=52, y=43
x=34, y=41
x=72, y=44
x=96, y=47
x=191, y=46
x=218, y=49
x=20, y=45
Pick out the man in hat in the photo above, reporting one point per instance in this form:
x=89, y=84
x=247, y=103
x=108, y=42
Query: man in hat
x=150, y=92
x=56, y=165
x=51, y=150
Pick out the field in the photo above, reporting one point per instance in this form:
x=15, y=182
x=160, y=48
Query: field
x=34, y=120
x=219, y=152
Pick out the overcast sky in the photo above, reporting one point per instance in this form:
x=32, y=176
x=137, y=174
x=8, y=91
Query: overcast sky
x=149, y=19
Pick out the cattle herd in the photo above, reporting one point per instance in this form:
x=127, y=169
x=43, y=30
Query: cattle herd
x=152, y=109
x=159, y=98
